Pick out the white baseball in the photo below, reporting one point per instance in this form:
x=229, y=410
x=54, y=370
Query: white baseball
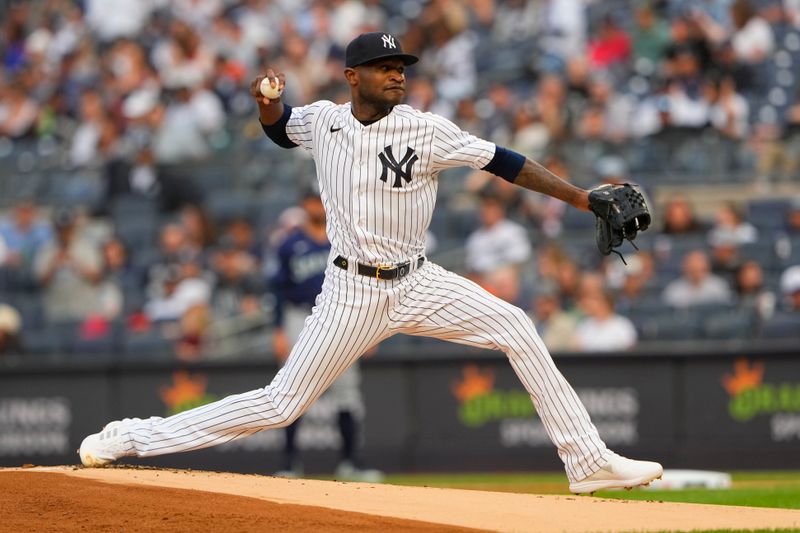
x=268, y=90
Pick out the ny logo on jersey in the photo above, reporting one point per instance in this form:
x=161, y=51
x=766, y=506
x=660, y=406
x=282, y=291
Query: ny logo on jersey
x=401, y=169
x=388, y=41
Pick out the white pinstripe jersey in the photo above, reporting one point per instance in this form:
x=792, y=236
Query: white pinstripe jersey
x=378, y=182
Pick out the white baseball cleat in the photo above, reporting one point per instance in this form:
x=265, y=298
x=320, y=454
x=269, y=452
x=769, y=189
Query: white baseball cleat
x=619, y=473
x=105, y=447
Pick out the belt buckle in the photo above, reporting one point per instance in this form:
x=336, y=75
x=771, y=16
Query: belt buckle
x=379, y=268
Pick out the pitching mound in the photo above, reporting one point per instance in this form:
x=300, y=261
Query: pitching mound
x=136, y=499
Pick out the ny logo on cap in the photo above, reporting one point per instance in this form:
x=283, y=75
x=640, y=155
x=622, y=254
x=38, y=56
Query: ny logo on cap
x=402, y=170
x=388, y=41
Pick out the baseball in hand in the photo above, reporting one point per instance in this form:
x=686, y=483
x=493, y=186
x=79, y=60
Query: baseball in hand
x=268, y=90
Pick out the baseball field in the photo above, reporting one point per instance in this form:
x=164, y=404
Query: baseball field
x=71, y=498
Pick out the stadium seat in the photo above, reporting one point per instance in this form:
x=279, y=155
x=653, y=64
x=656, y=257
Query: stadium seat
x=782, y=325
x=669, y=325
x=768, y=214
x=733, y=324
x=149, y=344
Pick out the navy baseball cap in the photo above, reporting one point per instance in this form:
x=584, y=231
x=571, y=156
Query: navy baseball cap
x=375, y=45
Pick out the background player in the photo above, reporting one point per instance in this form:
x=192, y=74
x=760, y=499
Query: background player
x=301, y=262
x=378, y=163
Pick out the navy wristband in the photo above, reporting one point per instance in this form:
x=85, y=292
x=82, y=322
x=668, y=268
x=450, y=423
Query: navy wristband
x=277, y=132
x=505, y=163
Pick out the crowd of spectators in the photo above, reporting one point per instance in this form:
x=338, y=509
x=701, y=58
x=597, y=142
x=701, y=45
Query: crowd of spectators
x=132, y=250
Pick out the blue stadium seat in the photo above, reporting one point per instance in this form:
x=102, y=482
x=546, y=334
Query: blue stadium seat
x=768, y=214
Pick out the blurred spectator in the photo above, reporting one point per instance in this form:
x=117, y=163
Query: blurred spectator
x=69, y=269
x=730, y=226
x=112, y=19
x=650, y=38
x=452, y=62
x=182, y=59
x=685, y=104
x=568, y=279
x=243, y=236
x=555, y=325
x=23, y=234
x=563, y=33
x=792, y=224
x=10, y=328
x=790, y=288
x=184, y=288
x=685, y=38
x=238, y=280
x=142, y=176
x=95, y=140
x=530, y=135
x=199, y=227
x=194, y=329
x=173, y=249
x=610, y=47
x=121, y=279
x=514, y=21
x=751, y=292
x=751, y=35
x=680, y=218
x=18, y=111
x=633, y=282
x=725, y=256
x=730, y=111
x=499, y=242
x=616, y=108
x=698, y=285
x=602, y=330
x=175, y=132
x=549, y=106
x=611, y=169
x=503, y=282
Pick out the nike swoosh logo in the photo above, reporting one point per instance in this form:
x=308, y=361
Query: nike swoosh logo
x=334, y=130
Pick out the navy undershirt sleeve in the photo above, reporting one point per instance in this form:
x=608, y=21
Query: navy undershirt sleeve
x=505, y=163
x=277, y=131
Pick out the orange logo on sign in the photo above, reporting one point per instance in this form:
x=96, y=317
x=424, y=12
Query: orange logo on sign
x=185, y=389
x=475, y=383
x=744, y=377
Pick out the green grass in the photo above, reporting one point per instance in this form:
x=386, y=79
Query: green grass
x=734, y=531
x=754, y=489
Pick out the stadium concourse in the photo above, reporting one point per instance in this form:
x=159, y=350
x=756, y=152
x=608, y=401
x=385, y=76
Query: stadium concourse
x=142, y=203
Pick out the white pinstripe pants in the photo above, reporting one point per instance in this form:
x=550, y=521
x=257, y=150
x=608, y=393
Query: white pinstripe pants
x=354, y=313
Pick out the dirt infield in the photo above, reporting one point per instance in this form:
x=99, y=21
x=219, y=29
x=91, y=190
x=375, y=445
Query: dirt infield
x=132, y=499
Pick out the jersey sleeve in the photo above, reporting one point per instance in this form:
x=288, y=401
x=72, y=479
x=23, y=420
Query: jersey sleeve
x=454, y=147
x=300, y=129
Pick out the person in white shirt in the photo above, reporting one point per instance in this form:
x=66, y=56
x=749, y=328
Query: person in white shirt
x=498, y=243
x=698, y=285
x=603, y=330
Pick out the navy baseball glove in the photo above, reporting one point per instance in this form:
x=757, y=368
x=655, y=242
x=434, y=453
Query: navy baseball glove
x=621, y=212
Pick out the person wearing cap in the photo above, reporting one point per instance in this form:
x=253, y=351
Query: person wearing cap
x=378, y=163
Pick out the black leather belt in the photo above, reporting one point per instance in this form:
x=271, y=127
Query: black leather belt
x=396, y=271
